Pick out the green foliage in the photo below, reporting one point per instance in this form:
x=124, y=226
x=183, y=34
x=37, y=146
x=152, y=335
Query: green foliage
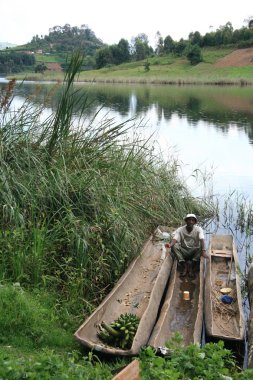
x=193, y=54
x=180, y=47
x=147, y=66
x=26, y=322
x=195, y=38
x=113, y=55
x=212, y=362
x=140, y=47
x=66, y=39
x=168, y=45
x=245, y=375
x=14, y=62
x=49, y=365
x=40, y=68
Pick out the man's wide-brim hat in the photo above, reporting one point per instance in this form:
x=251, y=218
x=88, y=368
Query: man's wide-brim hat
x=191, y=216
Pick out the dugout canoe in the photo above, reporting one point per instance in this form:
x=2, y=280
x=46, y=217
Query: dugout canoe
x=179, y=314
x=130, y=372
x=138, y=292
x=223, y=321
x=250, y=321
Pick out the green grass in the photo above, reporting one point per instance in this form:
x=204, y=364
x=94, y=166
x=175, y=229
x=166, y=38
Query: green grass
x=211, y=55
x=165, y=70
x=47, y=364
x=26, y=320
x=49, y=58
x=171, y=69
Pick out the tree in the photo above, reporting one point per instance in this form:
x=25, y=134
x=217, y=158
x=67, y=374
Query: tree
x=113, y=54
x=103, y=57
x=159, y=43
x=168, y=45
x=67, y=39
x=209, y=39
x=195, y=38
x=193, y=54
x=40, y=68
x=123, y=51
x=180, y=47
x=227, y=33
x=14, y=62
x=140, y=48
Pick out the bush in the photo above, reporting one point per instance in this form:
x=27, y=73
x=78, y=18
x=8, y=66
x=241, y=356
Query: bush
x=193, y=54
x=40, y=68
x=212, y=362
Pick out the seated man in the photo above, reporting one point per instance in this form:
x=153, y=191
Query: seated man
x=188, y=244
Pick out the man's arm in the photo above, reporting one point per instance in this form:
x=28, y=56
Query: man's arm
x=203, y=249
x=170, y=245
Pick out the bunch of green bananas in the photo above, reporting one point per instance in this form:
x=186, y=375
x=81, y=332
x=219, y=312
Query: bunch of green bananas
x=121, y=332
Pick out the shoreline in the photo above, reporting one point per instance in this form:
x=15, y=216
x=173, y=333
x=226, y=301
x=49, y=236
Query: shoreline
x=111, y=80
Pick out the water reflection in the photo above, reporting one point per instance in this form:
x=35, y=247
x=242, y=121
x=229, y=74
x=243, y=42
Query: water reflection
x=206, y=127
x=216, y=105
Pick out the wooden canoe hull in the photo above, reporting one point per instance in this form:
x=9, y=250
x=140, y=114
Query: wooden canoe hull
x=130, y=372
x=139, y=292
x=221, y=320
x=179, y=315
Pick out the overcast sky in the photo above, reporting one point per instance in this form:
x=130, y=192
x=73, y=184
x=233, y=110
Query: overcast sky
x=112, y=20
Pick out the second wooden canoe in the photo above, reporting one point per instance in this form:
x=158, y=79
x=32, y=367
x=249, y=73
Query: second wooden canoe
x=130, y=372
x=178, y=314
x=222, y=320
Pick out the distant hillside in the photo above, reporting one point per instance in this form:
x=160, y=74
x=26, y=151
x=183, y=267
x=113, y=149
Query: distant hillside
x=4, y=45
x=65, y=39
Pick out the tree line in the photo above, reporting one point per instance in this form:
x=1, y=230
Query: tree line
x=14, y=62
x=140, y=49
x=63, y=40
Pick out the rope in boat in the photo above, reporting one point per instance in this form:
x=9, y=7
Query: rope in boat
x=223, y=313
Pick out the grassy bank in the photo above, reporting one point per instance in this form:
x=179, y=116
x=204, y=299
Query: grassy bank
x=164, y=70
x=77, y=202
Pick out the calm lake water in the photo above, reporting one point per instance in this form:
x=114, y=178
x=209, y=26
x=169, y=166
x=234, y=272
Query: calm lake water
x=206, y=128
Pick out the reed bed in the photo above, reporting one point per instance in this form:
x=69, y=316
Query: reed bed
x=78, y=200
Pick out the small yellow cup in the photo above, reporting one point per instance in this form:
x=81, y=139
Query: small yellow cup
x=186, y=296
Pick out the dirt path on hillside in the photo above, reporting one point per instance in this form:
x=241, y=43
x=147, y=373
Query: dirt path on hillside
x=240, y=57
x=53, y=66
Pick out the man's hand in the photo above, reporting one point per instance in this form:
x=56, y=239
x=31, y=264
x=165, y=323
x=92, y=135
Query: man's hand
x=205, y=254
x=167, y=245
